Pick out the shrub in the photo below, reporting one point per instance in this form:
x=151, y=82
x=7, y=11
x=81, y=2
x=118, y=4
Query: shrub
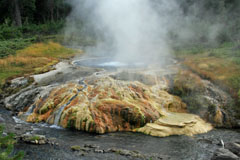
x=9, y=32
x=9, y=47
x=6, y=147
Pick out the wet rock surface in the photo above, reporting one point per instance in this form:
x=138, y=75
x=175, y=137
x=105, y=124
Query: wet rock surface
x=224, y=154
x=234, y=147
x=87, y=149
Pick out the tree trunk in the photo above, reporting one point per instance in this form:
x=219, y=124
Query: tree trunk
x=17, y=13
x=51, y=6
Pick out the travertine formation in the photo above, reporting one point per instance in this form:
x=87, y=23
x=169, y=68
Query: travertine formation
x=102, y=104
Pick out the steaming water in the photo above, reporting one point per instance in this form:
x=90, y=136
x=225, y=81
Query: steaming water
x=113, y=64
x=108, y=63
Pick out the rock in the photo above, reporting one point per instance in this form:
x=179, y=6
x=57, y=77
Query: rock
x=233, y=147
x=125, y=152
x=224, y=154
x=98, y=151
x=76, y=148
x=91, y=146
x=34, y=139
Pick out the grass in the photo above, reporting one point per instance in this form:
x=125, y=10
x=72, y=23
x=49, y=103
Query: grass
x=219, y=64
x=36, y=58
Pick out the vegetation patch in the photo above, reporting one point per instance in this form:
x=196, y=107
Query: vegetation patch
x=219, y=65
x=35, y=59
x=186, y=82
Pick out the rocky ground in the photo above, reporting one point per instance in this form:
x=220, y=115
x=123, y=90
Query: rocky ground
x=99, y=100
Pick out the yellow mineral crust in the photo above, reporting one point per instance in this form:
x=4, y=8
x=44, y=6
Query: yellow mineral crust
x=176, y=124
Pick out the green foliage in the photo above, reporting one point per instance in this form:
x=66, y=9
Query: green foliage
x=8, y=47
x=6, y=147
x=11, y=32
x=43, y=29
x=35, y=11
x=7, y=32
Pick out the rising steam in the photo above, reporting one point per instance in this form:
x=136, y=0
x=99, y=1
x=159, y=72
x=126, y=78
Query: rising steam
x=136, y=30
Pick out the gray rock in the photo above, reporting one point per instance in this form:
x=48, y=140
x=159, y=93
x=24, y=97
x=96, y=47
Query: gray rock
x=34, y=139
x=233, y=147
x=125, y=152
x=224, y=154
x=91, y=146
x=26, y=97
x=98, y=151
x=19, y=82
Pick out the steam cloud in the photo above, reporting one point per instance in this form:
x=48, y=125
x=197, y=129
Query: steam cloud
x=137, y=30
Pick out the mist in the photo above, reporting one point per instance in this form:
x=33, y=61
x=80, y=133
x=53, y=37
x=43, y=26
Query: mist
x=140, y=30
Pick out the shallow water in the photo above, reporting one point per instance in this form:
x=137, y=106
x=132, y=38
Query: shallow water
x=174, y=147
x=107, y=63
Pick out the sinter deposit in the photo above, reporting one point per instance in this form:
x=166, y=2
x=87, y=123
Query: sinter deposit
x=102, y=104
